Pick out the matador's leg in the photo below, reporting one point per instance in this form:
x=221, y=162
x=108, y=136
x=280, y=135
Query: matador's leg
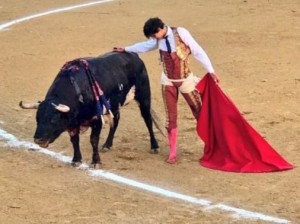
x=170, y=96
x=194, y=101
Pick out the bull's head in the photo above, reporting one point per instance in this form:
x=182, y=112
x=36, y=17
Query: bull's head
x=52, y=119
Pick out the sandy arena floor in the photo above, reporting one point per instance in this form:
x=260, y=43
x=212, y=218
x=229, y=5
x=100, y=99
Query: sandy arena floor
x=255, y=48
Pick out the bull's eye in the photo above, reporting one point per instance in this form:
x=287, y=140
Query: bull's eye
x=55, y=119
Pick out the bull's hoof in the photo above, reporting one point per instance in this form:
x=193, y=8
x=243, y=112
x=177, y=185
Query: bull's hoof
x=105, y=149
x=95, y=165
x=76, y=164
x=154, y=151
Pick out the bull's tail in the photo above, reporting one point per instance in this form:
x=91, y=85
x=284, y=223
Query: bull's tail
x=157, y=122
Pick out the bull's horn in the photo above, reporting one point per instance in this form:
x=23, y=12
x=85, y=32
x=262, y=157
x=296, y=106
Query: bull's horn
x=61, y=107
x=29, y=105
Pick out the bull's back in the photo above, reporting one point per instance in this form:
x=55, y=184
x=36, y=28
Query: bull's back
x=114, y=69
x=114, y=61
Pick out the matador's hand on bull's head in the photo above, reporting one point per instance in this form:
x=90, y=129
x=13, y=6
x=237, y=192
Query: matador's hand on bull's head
x=119, y=49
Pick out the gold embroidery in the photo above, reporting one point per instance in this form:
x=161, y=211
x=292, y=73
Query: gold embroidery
x=176, y=64
x=183, y=52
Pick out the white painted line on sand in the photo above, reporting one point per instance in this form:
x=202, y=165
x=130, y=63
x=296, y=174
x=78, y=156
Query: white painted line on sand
x=13, y=22
x=13, y=142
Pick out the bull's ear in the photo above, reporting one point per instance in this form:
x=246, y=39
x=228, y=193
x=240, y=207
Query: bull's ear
x=29, y=105
x=61, y=107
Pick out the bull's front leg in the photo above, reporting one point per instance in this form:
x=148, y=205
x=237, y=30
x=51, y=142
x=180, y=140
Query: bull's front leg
x=74, y=138
x=96, y=126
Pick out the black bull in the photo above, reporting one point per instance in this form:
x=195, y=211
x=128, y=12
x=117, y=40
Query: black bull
x=70, y=101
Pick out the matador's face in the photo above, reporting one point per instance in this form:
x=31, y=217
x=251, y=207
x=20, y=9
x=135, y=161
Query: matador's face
x=161, y=33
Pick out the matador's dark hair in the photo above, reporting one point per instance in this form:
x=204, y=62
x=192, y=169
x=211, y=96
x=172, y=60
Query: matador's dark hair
x=152, y=25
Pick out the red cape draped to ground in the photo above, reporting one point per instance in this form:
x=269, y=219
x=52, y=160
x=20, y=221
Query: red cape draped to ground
x=231, y=144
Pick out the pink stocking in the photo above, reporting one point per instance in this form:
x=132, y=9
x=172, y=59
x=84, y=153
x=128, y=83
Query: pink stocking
x=172, y=136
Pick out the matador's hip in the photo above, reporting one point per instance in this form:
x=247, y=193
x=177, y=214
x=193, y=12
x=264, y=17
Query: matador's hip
x=170, y=91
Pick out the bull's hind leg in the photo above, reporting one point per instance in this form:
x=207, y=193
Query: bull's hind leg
x=145, y=108
x=148, y=121
x=96, y=126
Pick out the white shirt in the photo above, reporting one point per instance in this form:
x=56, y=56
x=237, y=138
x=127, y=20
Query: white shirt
x=196, y=50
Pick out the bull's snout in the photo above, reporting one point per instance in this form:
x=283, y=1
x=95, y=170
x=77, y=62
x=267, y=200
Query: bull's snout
x=41, y=143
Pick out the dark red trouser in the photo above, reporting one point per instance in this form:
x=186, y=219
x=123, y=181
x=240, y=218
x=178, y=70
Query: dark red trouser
x=170, y=96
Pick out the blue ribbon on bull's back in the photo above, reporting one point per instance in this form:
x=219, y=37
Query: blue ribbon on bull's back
x=100, y=99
